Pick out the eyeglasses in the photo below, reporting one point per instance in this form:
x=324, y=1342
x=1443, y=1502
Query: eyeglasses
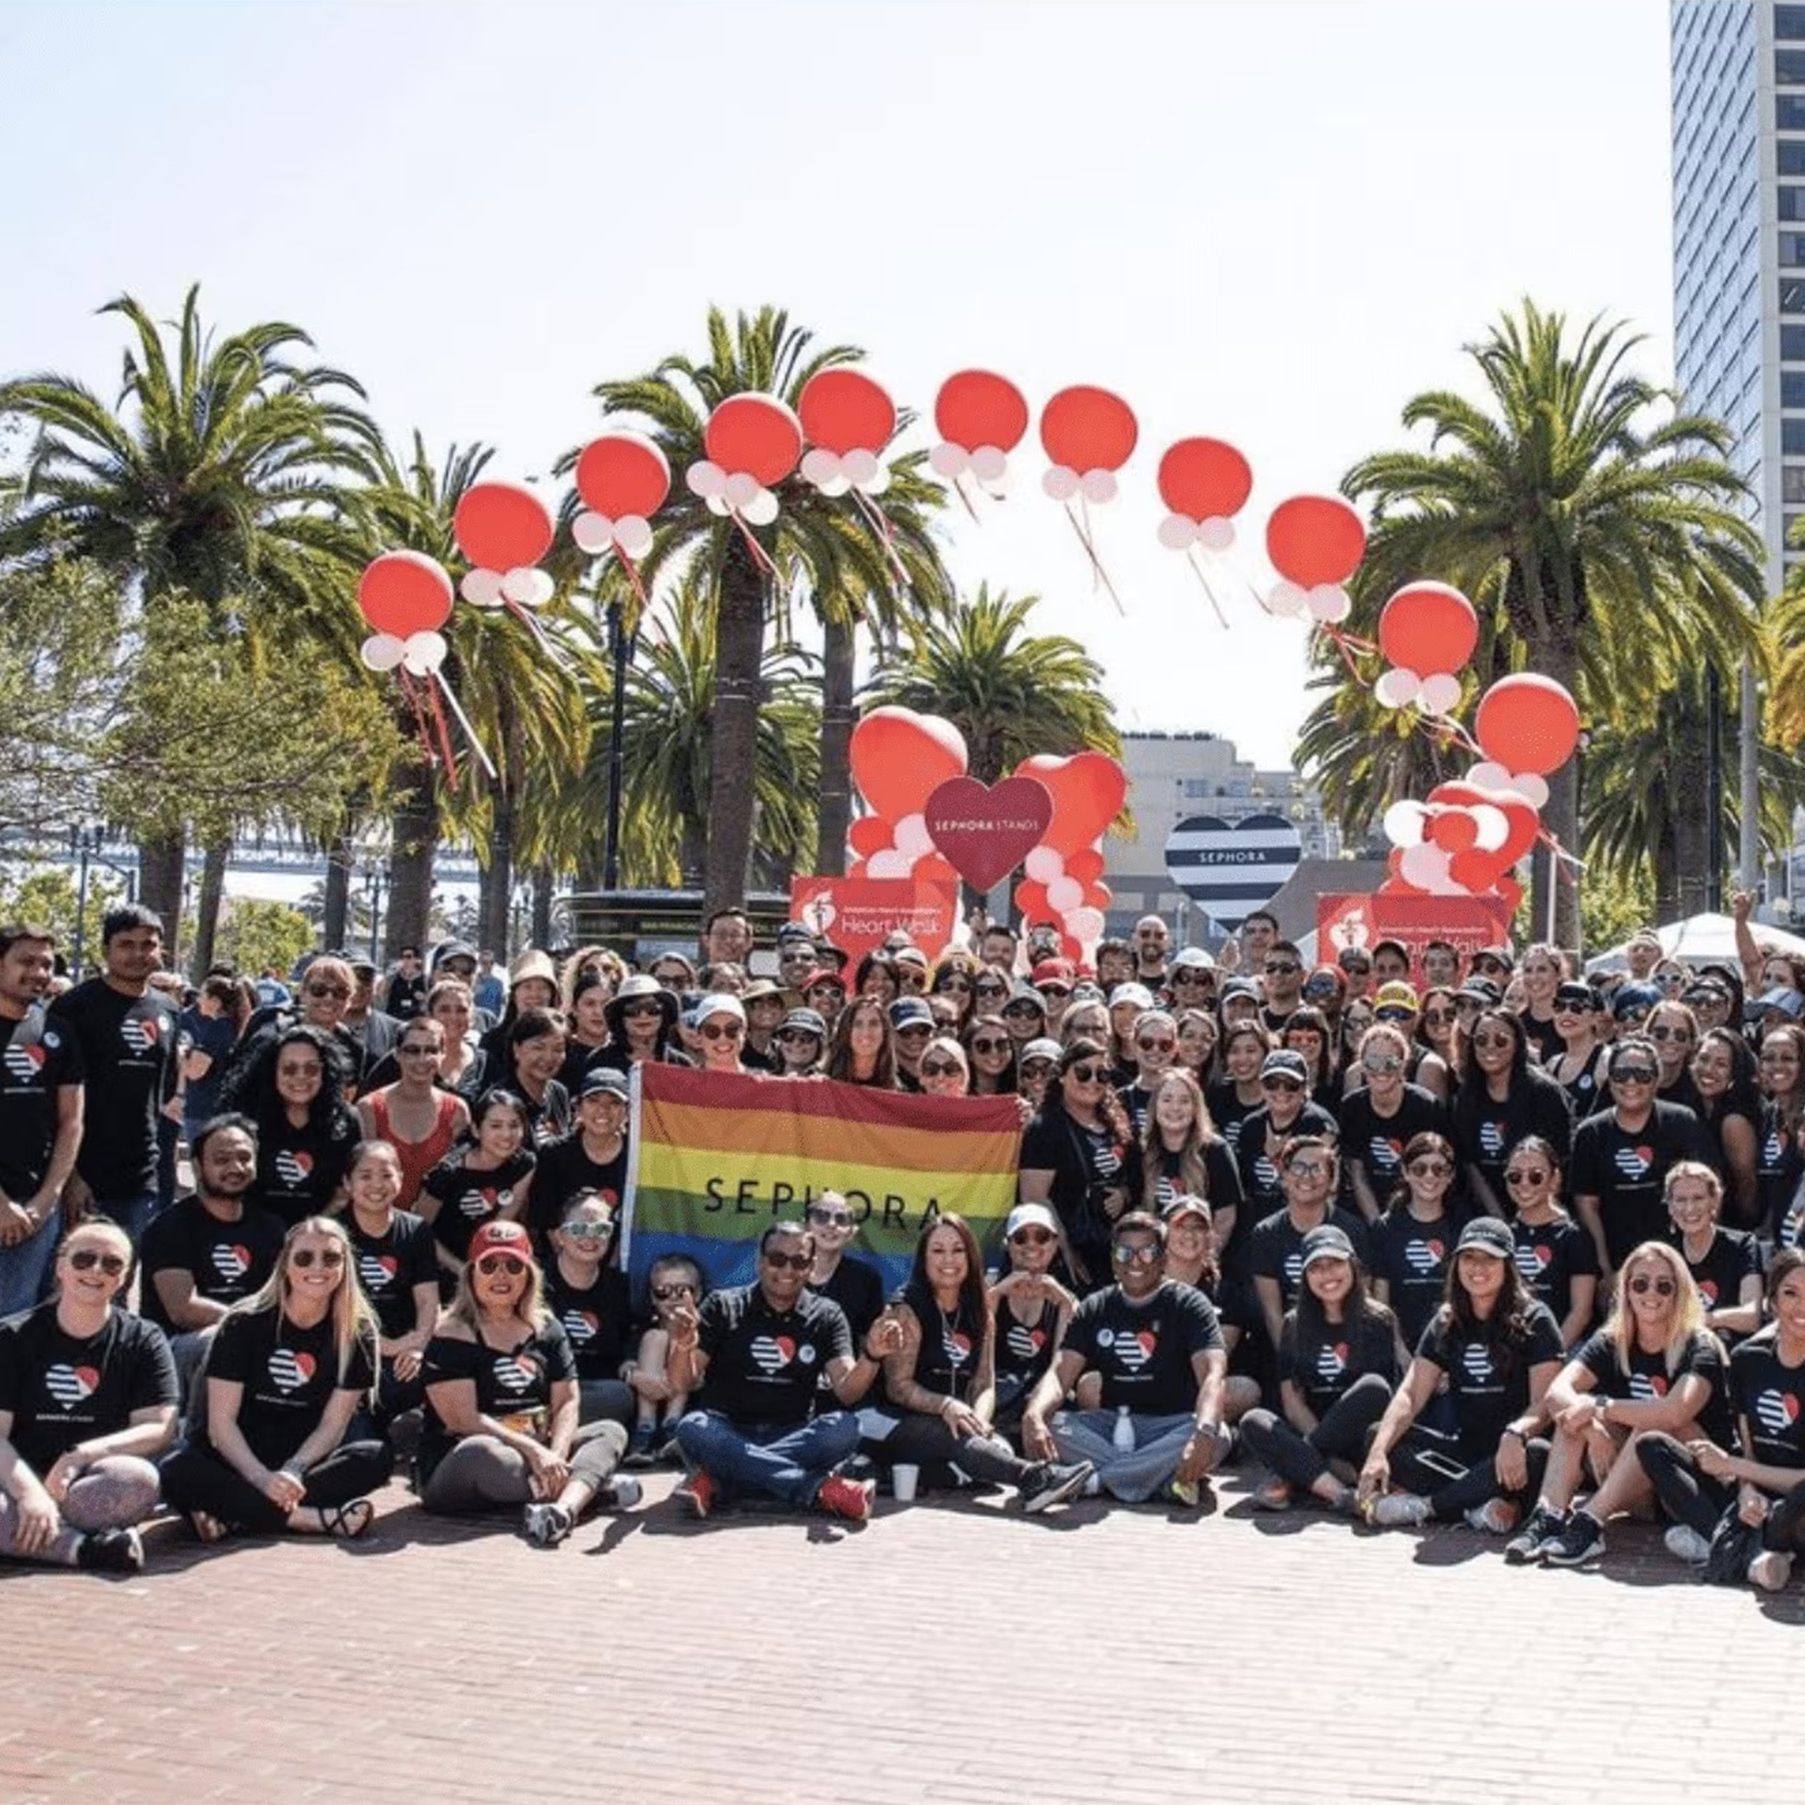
x=633, y=1011
x=1394, y=1012
x=328, y=1257
x=1632, y=1074
x=506, y=1264
x=830, y=1218
x=1381, y=1065
x=1281, y=1084
x=1281, y=968
x=328, y=990
x=796, y=1262
x=1034, y=1237
x=589, y=1231
x=1665, y=1033
x=721, y=1030
x=992, y=1046
x=417, y=1052
x=85, y=1259
x=825, y=990
x=1526, y=1175
x=1428, y=1168
x=1143, y=1255
x=1660, y=1287
x=1085, y=1074
x=664, y=1293
x=1157, y=1046
x=1036, y=1068
x=1307, y=1168
x=938, y=1068
x=1670, y=980
x=1491, y=1042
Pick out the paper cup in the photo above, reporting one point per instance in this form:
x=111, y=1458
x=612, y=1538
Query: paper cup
x=903, y=1481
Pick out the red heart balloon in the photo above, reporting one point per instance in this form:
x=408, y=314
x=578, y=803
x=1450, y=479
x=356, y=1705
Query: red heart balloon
x=1088, y=790
x=898, y=756
x=985, y=833
x=869, y=834
x=1525, y=824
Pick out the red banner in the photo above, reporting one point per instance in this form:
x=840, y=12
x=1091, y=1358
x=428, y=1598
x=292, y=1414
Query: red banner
x=1466, y=922
x=859, y=913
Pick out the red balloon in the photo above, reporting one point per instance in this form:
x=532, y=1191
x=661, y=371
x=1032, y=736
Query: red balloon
x=931, y=868
x=900, y=757
x=1524, y=822
x=869, y=834
x=1204, y=479
x=405, y=592
x=1098, y=896
x=623, y=473
x=1511, y=891
x=1453, y=830
x=1427, y=628
x=755, y=434
x=1088, y=429
x=856, y=868
x=1031, y=899
x=1527, y=723
x=502, y=526
x=1085, y=866
x=1477, y=870
x=1070, y=947
x=843, y=410
x=977, y=408
x=1088, y=792
x=1315, y=539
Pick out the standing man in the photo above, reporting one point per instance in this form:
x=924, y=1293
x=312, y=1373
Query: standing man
x=727, y=938
x=40, y=1116
x=406, y=993
x=1152, y=941
x=1258, y=933
x=762, y=1349
x=1282, y=973
x=374, y=1030
x=490, y=991
x=1441, y=965
x=125, y=1036
x=1157, y=1347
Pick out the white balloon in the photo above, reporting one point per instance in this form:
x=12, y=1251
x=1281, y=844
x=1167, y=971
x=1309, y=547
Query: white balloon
x=1533, y=789
x=1441, y=693
x=1064, y=894
x=835, y=485
x=706, y=479
x=1084, y=924
x=989, y=463
x=382, y=651
x=1098, y=485
x=1060, y=483
x=528, y=586
x=891, y=862
x=633, y=534
x=910, y=835
x=1287, y=599
x=1424, y=865
x=819, y=467
x=424, y=653
x=1397, y=688
x=1177, y=532
x=1494, y=826
x=594, y=533
x=481, y=588
x=742, y=485
x=761, y=510
x=1216, y=534
x=859, y=466
x=949, y=460
x=879, y=481
x=1404, y=822
x=1489, y=776
x=1330, y=603
x=717, y=504
x=1043, y=865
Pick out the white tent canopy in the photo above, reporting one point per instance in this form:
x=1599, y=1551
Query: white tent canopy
x=1701, y=940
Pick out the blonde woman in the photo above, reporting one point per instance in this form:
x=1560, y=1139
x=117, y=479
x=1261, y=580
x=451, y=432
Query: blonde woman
x=1653, y=1368
x=288, y=1370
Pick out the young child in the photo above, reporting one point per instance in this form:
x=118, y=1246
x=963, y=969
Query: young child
x=673, y=1279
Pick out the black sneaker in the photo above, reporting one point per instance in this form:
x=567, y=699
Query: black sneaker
x=1581, y=1541
x=110, y=1551
x=1049, y=1484
x=1531, y=1541
x=642, y=1449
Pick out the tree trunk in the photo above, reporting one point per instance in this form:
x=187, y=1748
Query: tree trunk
x=335, y=916
x=161, y=869
x=834, y=816
x=1690, y=810
x=413, y=843
x=733, y=750
x=206, y=912
x=496, y=885
x=545, y=883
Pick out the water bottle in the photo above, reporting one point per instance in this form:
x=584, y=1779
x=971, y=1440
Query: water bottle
x=1123, y=1437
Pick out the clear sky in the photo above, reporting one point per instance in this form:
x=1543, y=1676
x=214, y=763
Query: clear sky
x=1266, y=222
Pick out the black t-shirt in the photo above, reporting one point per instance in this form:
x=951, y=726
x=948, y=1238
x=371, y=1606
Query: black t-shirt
x=37, y=1058
x=513, y=1386
x=1585, y=1089
x=1488, y=1377
x=1626, y=1172
x=1485, y=1130
x=1085, y=1163
x=951, y=1346
x=1378, y=1142
x=1648, y=1378
x=127, y=1048
x=597, y=1319
x=1144, y=1351
x=1770, y=1397
x=227, y=1260
x=1731, y=1258
x=1779, y=1166
x=1550, y=1256
x=858, y=1288
x=1413, y=1258
x=1544, y=1038
x=289, y=1374
x=563, y=1170
x=390, y=1265
x=1025, y=1348
x=1323, y=1359
x=468, y=1197
x=551, y=1117
x=61, y=1391
x=300, y=1169
x=764, y=1365
x=1259, y=1142
x=1275, y=1249
x=1221, y=1179
x=1227, y=1111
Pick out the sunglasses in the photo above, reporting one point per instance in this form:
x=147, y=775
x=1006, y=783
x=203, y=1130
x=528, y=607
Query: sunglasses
x=1660, y=1287
x=1428, y=1168
x=634, y=1011
x=85, y=1259
x=664, y=1293
x=1381, y=1065
x=953, y=987
x=414, y=1052
x=915, y=1031
x=1022, y=1007
x=1157, y=1046
x=1281, y=1084
x=721, y=1030
x=1192, y=977
x=1145, y=1255
x=328, y=990
x=1085, y=1074
x=507, y=1264
x=796, y=1262
x=1561, y=1008
x=992, y=1046
x=789, y=1036
x=1355, y=968
x=589, y=1231
x=1036, y=1068
x=825, y=990
x=1672, y=980
x=831, y=1218
x=1632, y=1074
x=1490, y=968
x=1280, y=968
x=938, y=1068
x=991, y=990
x=1665, y=1033
x=1034, y=1237
x=328, y=1257
x=1526, y=1175
x=1394, y=1012
x=1057, y=991
x=1492, y=1041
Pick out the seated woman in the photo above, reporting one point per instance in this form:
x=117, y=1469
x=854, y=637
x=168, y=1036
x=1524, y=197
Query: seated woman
x=589, y=1300
x=418, y=1119
x=1412, y=1243
x=395, y=1263
x=503, y=1416
x=76, y=1472
x=1337, y=1364
x=1029, y=1310
x=1706, y=1489
x=1554, y=1253
x=288, y=1371
x=1653, y=1366
x=1496, y=1349
x=941, y=1380
x=659, y=1406
x=487, y=1179
x=1725, y=1265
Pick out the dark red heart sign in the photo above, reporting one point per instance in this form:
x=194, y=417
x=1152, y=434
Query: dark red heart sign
x=984, y=833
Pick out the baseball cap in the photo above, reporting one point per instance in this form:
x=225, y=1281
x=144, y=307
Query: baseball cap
x=824, y=974
x=1631, y=997
x=500, y=1237
x=1486, y=1234
x=1283, y=1062
x=605, y=1081
x=1029, y=1215
x=1396, y=995
x=1576, y=996
x=908, y=1012
x=804, y=1021
x=1326, y=1242
x=1239, y=987
x=1043, y=1048
x=1789, y=1002
x=1482, y=991
x=1053, y=971
x=1137, y=994
x=720, y=1003
x=1186, y=1205
x=1193, y=957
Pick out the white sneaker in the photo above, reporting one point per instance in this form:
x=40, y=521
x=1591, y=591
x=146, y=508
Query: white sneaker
x=1685, y=1543
x=1770, y=1570
x=1401, y=1510
x=546, y=1524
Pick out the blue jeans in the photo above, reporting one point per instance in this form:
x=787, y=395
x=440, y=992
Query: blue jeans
x=133, y=1213
x=1135, y=1474
x=25, y=1268
x=782, y=1460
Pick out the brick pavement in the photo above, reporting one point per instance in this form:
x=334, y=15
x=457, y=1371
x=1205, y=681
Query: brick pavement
x=943, y=1653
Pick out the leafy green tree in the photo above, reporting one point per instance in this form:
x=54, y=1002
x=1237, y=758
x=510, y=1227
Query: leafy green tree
x=47, y=895
x=258, y=935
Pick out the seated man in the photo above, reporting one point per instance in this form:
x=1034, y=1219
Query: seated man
x=1165, y=1392
x=761, y=1349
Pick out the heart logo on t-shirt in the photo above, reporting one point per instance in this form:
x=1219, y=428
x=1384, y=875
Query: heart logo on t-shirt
x=1024, y=1344
x=1707, y=1289
x=1294, y=1268
x=289, y=1369
x=769, y=1352
x=1266, y=1173
x=377, y=1271
x=140, y=1034
x=580, y=1325
x=956, y=1347
x=231, y=1263
x=1331, y=1362
x=24, y=1063
x=1476, y=1358
x=1422, y=1257
x=1491, y=1139
x=294, y=1168
x=1777, y=1411
x=1134, y=1351
x=68, y=1384
x=477, y=1205
x=515, y=1372
x=1770, y=1152
x=1634, y=1162
x=1531, y=1260
x=1385, y=1154
x=1647, y=1387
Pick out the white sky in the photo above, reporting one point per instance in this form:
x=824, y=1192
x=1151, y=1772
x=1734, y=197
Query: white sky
x=1271, y=223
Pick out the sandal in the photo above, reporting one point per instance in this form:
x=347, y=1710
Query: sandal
x=207, y=1529
x=347, y=1522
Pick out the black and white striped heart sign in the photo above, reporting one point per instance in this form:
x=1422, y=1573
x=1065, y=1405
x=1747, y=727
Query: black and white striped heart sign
x=1231, y=870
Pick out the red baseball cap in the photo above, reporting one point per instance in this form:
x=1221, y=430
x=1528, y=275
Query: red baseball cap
x=1053, y=971
x=501, y=1237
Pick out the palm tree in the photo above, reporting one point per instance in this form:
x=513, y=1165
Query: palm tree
x=1608, y=551
x=224, y=471
x=823, y=552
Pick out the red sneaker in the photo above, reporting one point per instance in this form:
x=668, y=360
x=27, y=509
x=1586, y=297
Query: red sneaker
x=849, y=1498
x=696, y=1495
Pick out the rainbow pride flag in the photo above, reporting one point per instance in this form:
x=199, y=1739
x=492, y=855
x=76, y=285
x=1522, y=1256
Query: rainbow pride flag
x=717, y=1158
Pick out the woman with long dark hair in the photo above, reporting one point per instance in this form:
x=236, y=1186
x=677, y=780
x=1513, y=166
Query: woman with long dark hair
x=485, y=1179
x=305, y=1129
x=1554, y=1253
x=992, y=1051
x=861, y=1049
x=1729, y=1105
x=1413, y=1240
x=1501, y=1098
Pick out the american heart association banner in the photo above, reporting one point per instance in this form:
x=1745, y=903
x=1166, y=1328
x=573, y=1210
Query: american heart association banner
x=717, y=1158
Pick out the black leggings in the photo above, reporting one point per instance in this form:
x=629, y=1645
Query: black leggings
x=1438, y=1468
x=1340, y=1432
x=196, y=1479
x=1691, y=1496
x=925, y=1441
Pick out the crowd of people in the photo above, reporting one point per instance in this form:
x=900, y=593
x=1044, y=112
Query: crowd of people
x=1426, y=1237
